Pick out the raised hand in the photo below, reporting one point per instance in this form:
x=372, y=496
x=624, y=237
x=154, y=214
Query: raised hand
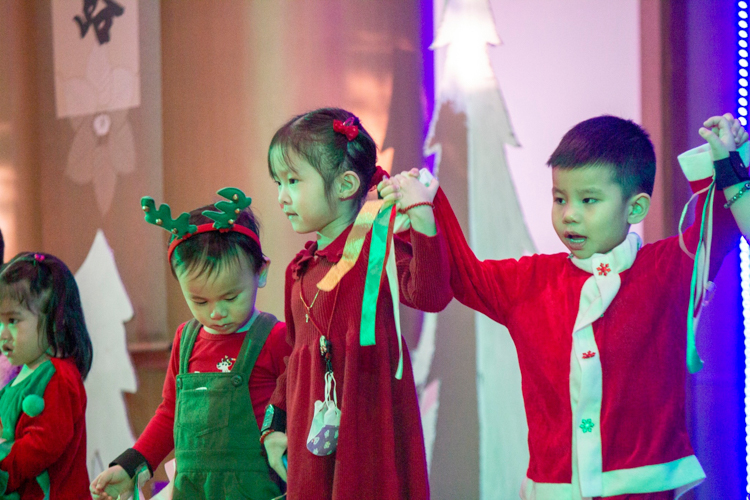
x=723, y=133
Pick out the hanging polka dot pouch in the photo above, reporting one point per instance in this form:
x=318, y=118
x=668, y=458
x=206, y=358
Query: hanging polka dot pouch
x=324, y=430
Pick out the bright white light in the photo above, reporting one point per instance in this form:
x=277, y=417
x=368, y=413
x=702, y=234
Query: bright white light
x=745, y=278
x=744, y=248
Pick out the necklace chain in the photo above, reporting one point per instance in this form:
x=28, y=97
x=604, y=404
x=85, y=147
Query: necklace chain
x=308, y=308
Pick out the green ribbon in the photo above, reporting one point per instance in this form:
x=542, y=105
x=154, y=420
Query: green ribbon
x=694, y=361
x=375, y=266
x=138, y=480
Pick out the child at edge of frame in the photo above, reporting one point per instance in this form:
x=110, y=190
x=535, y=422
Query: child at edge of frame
x=346, y=410
x=223, y=367
x=7, y=371
x=43, y=409
x=598, y=428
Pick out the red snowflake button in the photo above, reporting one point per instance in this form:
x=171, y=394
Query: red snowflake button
x=603, y=269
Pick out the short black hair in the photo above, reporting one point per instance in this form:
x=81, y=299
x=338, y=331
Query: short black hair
x=44, y=285
x=208, y=251
x=613, y=142
x=312, y=137
x=2, y=247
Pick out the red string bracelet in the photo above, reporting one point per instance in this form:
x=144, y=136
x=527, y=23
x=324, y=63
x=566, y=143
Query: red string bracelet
x=265, y=435
x=415, y=205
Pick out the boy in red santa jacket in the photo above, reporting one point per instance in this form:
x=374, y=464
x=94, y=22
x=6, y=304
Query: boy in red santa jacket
x=601, y=331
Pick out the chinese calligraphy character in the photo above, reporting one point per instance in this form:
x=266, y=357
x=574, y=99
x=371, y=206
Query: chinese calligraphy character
x=102, y=21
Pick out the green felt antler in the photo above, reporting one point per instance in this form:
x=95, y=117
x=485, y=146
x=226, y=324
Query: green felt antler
x=163, y=218
x=229, y=209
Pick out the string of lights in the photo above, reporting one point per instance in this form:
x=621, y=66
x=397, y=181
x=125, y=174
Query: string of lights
x=742, y=107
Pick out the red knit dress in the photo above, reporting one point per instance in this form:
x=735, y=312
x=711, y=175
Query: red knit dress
x=380, y=452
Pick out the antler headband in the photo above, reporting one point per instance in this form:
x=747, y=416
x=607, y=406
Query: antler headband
x=181, y=228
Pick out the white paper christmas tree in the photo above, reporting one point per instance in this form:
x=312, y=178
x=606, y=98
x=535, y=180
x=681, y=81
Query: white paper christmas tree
x=466, y=84
x=106, y=307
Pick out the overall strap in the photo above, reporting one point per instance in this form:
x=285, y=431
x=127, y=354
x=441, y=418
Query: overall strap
x=254, y=340
x=187, y=340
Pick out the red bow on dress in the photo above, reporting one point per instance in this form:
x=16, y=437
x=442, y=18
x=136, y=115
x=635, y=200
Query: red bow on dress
x=348, y=128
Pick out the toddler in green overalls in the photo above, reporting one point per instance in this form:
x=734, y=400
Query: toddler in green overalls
x=223, y=367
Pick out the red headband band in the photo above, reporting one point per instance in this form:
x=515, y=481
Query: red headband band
x=205, y=228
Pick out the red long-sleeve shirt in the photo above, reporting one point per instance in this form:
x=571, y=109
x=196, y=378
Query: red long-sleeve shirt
x=211, y=353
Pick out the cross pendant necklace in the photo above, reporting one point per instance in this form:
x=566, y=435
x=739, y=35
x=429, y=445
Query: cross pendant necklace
x=307, y=308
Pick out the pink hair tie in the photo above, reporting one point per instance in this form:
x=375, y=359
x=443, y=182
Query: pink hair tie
x=39, y=257
x=348, y=128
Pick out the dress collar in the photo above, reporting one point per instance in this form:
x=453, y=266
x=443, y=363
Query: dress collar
x=332, y=253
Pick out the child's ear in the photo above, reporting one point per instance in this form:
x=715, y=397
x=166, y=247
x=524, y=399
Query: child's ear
x=347, y=185
x=263, y=273
x=638, y=207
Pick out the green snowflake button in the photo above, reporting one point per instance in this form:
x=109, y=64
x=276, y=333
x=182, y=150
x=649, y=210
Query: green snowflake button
x=586, y=425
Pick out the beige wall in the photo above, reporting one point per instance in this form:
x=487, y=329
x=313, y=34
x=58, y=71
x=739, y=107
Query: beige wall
x=234, y=71
x=19, y=163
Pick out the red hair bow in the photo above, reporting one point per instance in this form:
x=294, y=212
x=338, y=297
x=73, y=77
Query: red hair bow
x=348, y=128
x=378, y=176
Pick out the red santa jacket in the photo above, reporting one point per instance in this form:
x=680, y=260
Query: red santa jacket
x=641, y=344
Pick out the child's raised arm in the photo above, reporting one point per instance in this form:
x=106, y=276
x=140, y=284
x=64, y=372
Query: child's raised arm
x=725, y=134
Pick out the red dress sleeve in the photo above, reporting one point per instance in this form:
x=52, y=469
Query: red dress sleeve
x=486, y=286
x=157, y=439
x=423, y=270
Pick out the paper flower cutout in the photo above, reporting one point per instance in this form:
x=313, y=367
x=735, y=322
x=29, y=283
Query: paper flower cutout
x=103, y=145
x=104, y=89
x=102, y=148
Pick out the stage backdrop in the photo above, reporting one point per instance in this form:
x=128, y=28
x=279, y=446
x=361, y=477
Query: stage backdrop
x=511, y=78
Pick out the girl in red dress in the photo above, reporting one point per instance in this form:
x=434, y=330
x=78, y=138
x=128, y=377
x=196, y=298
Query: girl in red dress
x=323, y=163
